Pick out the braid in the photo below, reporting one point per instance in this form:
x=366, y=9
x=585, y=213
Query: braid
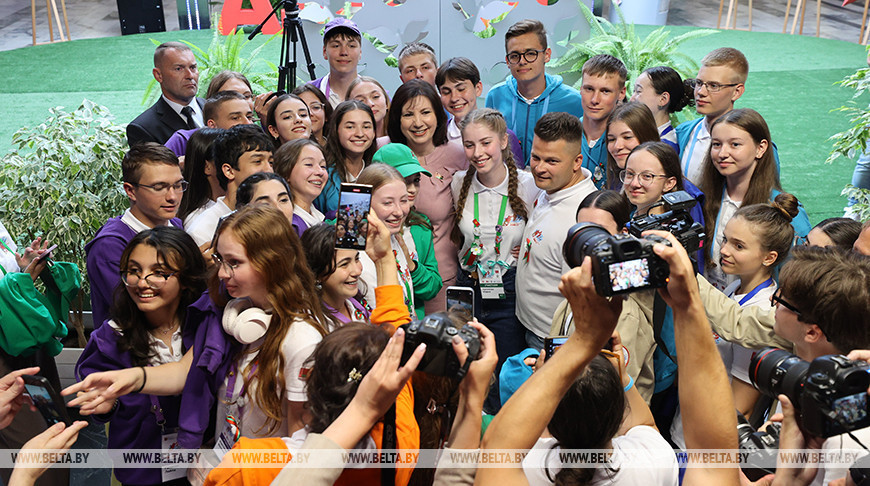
x=456, y=235
x=517, y=204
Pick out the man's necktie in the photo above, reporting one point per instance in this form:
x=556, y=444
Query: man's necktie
x=188, y=112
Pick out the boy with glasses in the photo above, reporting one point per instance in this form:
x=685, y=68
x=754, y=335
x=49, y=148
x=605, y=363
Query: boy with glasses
x=720, y=83
x=154, y=185
x=529, y=92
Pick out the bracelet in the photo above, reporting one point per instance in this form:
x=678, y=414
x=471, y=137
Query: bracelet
x=630, y=384
x=144, y=379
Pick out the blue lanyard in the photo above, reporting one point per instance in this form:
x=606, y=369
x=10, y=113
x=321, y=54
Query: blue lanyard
x=751, y=294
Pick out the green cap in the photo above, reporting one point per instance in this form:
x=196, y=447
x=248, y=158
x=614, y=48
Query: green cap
x=401, y=158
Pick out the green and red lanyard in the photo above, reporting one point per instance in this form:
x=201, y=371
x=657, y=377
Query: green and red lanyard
x=405, y=283
x=471, y=257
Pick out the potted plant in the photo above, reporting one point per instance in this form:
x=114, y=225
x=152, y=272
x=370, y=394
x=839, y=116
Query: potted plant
x=62, y=181
x=853, y=141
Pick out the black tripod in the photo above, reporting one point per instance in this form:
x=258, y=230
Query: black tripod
x=286, y=64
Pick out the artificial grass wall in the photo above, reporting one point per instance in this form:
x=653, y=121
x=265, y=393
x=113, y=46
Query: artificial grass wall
x=791, y=84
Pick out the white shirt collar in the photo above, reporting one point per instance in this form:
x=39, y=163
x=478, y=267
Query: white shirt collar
x=193, y=104
x=501, y=188
x=570, y=191
x=134, y=223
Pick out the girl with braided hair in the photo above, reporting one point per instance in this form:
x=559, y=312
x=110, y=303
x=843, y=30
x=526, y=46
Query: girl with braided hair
x=493, y=200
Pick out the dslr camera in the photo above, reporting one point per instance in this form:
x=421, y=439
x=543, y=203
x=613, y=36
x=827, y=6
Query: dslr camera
x=621, y=263
x=761, y=447
x=625, y=263
x=437, y=331
x=676, y=220
x=829, y=393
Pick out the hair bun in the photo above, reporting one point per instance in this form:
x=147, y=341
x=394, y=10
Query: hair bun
x=787, y=205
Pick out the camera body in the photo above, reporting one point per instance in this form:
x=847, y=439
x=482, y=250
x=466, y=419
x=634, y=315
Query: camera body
x=437, y=331
x=676, y=220
x=830, y=393
x=621, y=263
x=762, y=448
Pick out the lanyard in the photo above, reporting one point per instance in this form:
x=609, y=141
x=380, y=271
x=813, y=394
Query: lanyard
x=404, y=280
x=231, y=382
x=476, y=249
x=762, y=285
x=359, y=312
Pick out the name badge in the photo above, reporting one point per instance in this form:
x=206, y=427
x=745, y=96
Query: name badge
x=169, y=441
x=491, y=286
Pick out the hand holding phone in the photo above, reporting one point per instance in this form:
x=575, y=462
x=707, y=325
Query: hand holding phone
x=46, y=399
x=45, y=254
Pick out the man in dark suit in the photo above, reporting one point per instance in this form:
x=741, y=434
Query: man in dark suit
x=178, y=107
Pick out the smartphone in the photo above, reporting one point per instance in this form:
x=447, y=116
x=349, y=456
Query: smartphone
x=351, y=219
x=46, y=399
x=462, y=297
x=552, y=344
x=45, y=254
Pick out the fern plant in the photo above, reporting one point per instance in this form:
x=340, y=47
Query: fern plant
x=224, y=53
x=622, y=42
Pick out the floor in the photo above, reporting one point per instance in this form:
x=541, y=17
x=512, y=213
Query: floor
x=99, y=18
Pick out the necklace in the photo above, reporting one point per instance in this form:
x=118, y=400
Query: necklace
x=163, y=331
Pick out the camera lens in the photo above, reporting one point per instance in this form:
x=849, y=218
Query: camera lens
x=582, y=238
x=774, y=371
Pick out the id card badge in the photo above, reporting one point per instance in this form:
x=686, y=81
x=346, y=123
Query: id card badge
x=227, y=438
x=491, y=286
x=169, y=442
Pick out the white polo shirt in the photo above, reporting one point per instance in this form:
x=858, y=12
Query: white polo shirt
x=541, y=264
x=489, y=207
x=202, y=228
x=692, y=161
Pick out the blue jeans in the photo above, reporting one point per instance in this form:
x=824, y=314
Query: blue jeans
x=861, y=175
x=499, y=316
x=534, y=341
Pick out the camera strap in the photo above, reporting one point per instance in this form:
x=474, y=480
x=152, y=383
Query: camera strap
x=389, y=442
x=659, y=310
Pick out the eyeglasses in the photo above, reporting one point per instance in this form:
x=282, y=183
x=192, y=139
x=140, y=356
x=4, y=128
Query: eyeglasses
x=645, y=178
x=229, y=267
x=712, y=86
x=315, y=106
x=154, y=281
x=776, y=298
x=530, y=56
x=164, y=187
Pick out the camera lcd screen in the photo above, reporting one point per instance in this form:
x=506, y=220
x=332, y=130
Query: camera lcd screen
x=851, y=408
x=629, y=274
x=551, y=345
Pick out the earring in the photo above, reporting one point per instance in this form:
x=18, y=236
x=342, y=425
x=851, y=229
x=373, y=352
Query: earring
x=318, y=286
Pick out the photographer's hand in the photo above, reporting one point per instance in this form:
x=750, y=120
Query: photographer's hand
x=682, y=290
x=473, y=389
x=595, y=316
x=792, y=438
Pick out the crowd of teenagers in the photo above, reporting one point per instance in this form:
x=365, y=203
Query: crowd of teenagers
x=231, y=312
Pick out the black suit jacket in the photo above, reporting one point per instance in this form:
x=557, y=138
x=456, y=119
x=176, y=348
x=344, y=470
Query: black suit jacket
x=157, y=123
